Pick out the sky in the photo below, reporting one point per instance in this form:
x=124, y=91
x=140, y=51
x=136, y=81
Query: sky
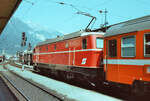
x=64, y=18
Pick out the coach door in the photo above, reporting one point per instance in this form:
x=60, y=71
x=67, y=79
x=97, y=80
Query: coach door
x=112, y=68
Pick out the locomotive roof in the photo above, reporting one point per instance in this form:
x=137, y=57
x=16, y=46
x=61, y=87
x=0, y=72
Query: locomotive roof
x=69, y=36
x=134, y=25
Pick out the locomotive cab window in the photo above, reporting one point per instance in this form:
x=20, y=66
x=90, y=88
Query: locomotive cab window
x=147, y=45
x=99, y=43
x=128, y=46
x=84, y=44
x=112, y=48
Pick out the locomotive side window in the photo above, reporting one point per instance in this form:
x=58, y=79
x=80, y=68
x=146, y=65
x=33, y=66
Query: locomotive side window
x=84, y=44
x=55, y=47
x=128, y=46
x=66, y=45
x=47, y=48
x=99, y=43
x=112, y=48
x=147, y=45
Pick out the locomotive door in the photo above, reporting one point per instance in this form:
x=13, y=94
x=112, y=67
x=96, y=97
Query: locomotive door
x=37, y=55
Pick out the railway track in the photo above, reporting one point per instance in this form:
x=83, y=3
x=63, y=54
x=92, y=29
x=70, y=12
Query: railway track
x=21, y=95
x=16, y=92
x=59, y=99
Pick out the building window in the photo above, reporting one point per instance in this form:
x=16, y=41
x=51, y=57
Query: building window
x=84, y=43
x=99, y=43
x=112, y=48
x=147, y=45
x=128, y=46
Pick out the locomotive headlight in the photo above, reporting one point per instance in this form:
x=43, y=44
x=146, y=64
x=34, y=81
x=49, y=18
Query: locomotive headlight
x=148, y=69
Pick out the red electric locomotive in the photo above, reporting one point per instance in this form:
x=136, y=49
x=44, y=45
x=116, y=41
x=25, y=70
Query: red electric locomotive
x=76, y=55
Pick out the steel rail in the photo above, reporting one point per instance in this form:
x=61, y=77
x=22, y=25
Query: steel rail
x=13, y=85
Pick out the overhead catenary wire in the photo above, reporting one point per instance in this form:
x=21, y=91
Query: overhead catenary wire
x=80, y=12
x=78, y=9
x=71, y=5
x=28, y=1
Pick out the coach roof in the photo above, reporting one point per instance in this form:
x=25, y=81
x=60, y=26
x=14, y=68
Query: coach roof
x=138, y=24
x=69, y=36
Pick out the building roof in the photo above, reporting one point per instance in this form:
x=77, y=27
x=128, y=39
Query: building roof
x=134, y=25
x=69, y=36
x=7, y=8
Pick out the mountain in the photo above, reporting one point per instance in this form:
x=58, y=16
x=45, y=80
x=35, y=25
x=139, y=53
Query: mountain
x=11, y=37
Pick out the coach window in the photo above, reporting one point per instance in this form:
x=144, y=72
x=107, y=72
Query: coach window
x=99, y=43
x=147, y=45
x=112, y=48
x=84, y=43
x=128, y=46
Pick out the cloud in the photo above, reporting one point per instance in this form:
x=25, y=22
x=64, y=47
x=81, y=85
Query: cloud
x=31, y=32
x=36, y=26
x=40, y=37
x=39, y=27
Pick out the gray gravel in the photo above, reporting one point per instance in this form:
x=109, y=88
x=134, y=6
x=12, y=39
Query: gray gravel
x=31, y=92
